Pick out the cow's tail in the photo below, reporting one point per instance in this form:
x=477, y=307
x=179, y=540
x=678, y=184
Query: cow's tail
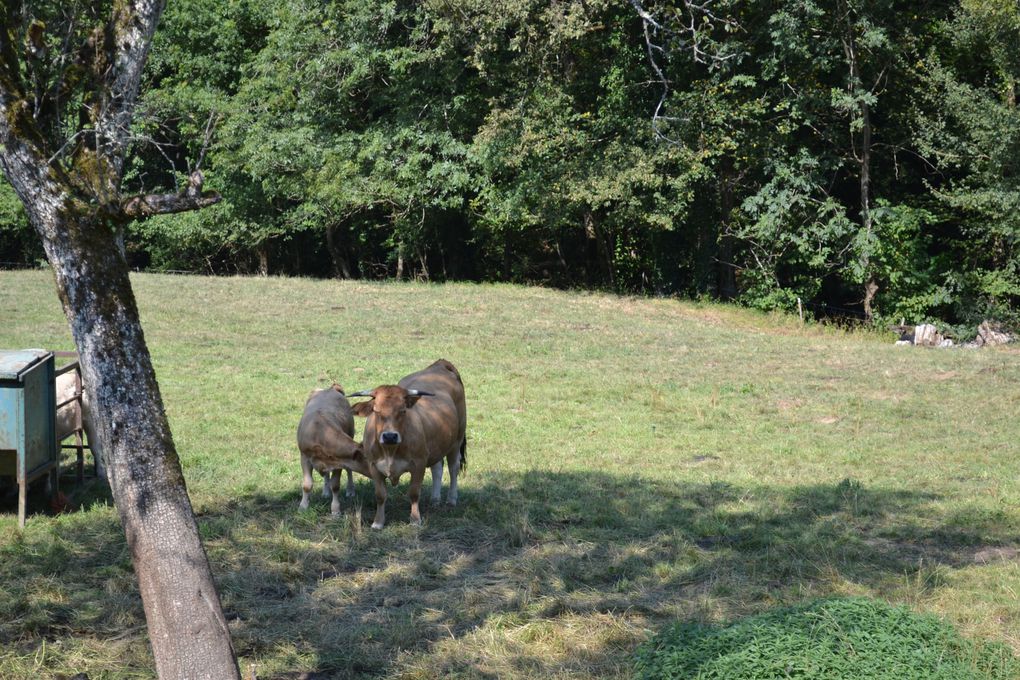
x=463, y=453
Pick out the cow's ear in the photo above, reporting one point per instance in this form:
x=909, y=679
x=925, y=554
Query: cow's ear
x=411, y=399
x=337, y=387
x=362, y=408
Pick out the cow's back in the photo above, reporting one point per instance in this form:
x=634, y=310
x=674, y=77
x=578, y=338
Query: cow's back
x=327, y=414
x=444, y=415
x=441, y=377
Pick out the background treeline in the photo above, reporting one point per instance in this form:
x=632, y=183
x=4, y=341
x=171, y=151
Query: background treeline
x=859, y=153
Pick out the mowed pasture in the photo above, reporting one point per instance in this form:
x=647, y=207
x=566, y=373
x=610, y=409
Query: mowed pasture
x=630, y=462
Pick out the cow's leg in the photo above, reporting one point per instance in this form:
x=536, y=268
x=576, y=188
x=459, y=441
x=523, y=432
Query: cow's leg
x=334, y=486
x=350, y=484
x=437, y=481
x=97, y=457
x=327, y=493
x=306, y=481
x=414, y=492
x=454, y=460
x=380, y=502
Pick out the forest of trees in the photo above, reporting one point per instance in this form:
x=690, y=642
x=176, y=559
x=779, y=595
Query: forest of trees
x=864, y=154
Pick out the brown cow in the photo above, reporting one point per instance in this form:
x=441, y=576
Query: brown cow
x=325, y=437
x=412, y=426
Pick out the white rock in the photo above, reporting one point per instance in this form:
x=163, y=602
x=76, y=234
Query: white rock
x=926, y=335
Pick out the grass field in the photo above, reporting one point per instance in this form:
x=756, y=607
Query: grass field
x=631, y=462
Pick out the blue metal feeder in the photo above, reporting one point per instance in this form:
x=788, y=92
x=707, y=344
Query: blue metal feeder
x=28, y=446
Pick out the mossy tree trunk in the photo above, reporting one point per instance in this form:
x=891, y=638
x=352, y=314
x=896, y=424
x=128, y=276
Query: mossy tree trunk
x=70, y=187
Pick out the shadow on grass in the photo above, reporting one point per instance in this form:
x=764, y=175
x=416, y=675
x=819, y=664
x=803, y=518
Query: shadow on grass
x=74, y=495
x=537, y=574
x=553, y=573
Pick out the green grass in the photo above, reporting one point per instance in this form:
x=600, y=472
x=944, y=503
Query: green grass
x=632, y=462
x=834, y=639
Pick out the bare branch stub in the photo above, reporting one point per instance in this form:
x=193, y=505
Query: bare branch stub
x=209, y=126
x=147, y=205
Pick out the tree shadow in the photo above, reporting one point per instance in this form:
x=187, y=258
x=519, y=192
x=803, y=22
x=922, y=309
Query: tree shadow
x=73, y=496
x=548, y=563
x=540, y=573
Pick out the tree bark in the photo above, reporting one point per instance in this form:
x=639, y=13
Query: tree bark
x=263, y=253
x=863, y=158
x=140, y=207
x=424, y=275
x=341, y=269
x=603, y=248
x=187, y=630
x=870, y=284
x=77, y=212
x=726, y=274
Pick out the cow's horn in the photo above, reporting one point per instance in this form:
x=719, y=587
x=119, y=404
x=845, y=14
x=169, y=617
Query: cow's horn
x=420, y=393
x=361, y=393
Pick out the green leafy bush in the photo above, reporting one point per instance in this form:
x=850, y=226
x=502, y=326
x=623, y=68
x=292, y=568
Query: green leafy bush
x=828, y=639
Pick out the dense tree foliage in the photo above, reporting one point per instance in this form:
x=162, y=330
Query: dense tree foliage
x=858, y=153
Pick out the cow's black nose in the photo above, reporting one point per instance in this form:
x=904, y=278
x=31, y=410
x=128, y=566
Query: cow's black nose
x=390, y=438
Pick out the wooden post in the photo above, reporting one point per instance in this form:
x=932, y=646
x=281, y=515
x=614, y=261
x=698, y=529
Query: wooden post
x=22, y=501
x=800, y=310
x=53, y=481
x=79, y=446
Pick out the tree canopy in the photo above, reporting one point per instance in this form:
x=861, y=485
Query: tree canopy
x=856, y=153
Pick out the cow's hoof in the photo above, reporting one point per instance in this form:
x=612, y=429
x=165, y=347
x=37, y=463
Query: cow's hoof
x=303, y=505
x=377, y=525
x=350, y=494
x=451, y=502
x=416, y=521
x=434, y=500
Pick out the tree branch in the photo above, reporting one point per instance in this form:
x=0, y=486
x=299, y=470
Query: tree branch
x=691, y=35
x=191, y=198
x=146, y=205
x=130, y=34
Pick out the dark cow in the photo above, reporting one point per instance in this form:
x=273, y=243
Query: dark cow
x=325, y=437
x=412, y=426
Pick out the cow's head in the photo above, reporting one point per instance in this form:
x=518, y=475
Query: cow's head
x=355, y=458
x=386, y=411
